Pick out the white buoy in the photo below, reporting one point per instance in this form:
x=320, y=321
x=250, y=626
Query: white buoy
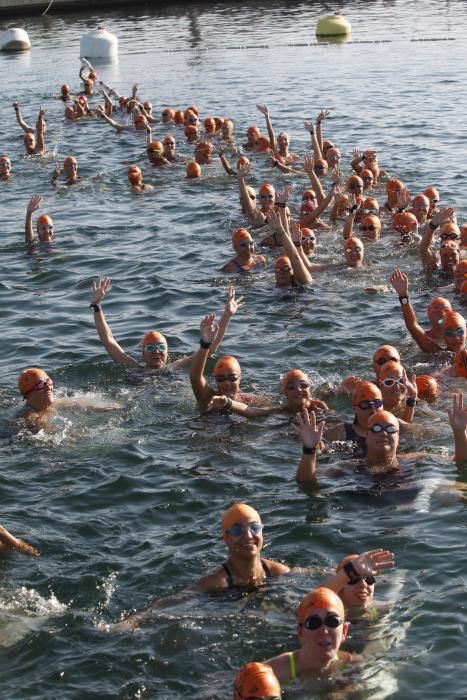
x=99, y=44
x=14, y=40
x=333, y=25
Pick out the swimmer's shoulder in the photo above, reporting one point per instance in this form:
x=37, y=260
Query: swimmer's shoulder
x=276, y=568
x=347, y=657
x=214, y=581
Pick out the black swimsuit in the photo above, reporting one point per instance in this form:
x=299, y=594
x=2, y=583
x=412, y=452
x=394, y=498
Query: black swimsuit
x=229, y=577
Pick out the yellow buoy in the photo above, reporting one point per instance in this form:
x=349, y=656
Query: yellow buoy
x=333, y=25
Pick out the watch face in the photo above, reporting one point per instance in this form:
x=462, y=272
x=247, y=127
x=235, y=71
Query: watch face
x=404, y=300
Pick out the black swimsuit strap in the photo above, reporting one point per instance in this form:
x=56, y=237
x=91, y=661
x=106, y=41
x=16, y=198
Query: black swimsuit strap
x=266, y=569
x=228, y=575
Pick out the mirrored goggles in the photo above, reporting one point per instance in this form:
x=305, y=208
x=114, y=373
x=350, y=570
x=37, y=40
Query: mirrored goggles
x=390, y=382
x=378, y=428
x=365, y=404
x=226, y=378
x=237, y=530
x=155, y=347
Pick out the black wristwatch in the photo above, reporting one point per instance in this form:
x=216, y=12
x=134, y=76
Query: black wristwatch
x=404, y=300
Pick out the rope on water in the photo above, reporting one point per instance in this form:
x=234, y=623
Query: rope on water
x=48, y=8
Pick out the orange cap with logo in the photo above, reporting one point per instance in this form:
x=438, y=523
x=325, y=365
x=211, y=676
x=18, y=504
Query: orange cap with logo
x=29, y=377
x=236, y=513
x=256, y=680
x=193, y=169
x=320, y=599
x=152, y=337
x=427, y=387
x=227, y=364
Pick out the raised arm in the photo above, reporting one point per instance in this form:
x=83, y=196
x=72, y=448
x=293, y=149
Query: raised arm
x=248, y=204
x=314, y=140
x=208, y=332
x=411, y=399
x=301, y=274
x=118, y=355
x=347, y=231
x=309, y=168
x=428, y=256
x=400, y=283
x=19, y=118
x=225, y=163
x=324, y=114
x=264, y=109
x=458, y=421
x=370, y=563
x=8, y=543
x=308, y=219
x=33, y=204
x=311, y=435
x=118, y=127
x=40, y=132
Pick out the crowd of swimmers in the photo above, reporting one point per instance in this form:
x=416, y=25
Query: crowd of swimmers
x=364, y=204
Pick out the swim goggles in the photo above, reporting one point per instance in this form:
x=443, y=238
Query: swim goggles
x=226, y=378
x=449, y=236
x=450, y=333
x=237, y=530
x=370, y=227
x=376, y=403
x=40, y=385
x=247, y=244
x=305, y=239
x=290, y=386
x=369, y=580
x=371, y=211
x=284, y=268
x=390, y=382
x=266, y=196
x=382, y=360
x=314, y=622
x=153, y=347
x=355, y=249
x=389, y=429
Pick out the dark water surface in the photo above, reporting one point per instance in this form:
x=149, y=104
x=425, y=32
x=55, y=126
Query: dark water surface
x=126, y=507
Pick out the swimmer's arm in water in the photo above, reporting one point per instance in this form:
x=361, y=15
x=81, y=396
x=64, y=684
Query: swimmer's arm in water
x=219, y=403
x=118, y=127
x=40, y=133
x=309, y=168
x=411, y=400
x=458, y=422
x=118, y=355
x=400, y=283
x=33, y=205
x=370, y=563
x=225, y=163
x=311, y=435
x=19, y=118
x=84, y=404
x=199, y=385
x=8, y=542
x=428, y=256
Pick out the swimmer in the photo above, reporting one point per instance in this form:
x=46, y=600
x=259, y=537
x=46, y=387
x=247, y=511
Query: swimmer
x=356, y=588
x=431, y=340
x=291, y=270
x=279, y=146
x=155, y=154
x=267, y=195
x=168, y=115
x=399, y=393
x=245, y=259
x=65, y=93
x=5, y=167
x=367, y=401
x=193, y=170
x=37, y=389
x=256, y=682
x=460, y=275
x=406, y=224
x=34, y=143
x=227, y=130
x=135, y=176
x=433, y=195
x=203, y=152
x=448, y=256
x=70, y=166
x=453, y=329
x=321, y=630
x=8, y=543
x=191, y=132
x=253, y=134
x=140, y=121
x=354, y=251
x=421, y=208
x=169, y=148
x=154, y=345
x=44, y=223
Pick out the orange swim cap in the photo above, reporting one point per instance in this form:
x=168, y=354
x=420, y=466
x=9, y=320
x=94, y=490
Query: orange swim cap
x=153, y=337
x=227, y=364
x=351, y=242
x=243, y=160
x=371, y=220
x=452, y=320
x=383, y=416
x=463, y=289
x=282, y=260
x=388, y=368
x=354, y=180
x=69, y=160
x=241, y=234
x=420, y=200
x=65, y=89
x=193, y=169
x=194, y=109
x=134, y=173
x=29, y=377
x=179, y=116
x=432, y=193
x=263, y=144
x=404, y=222
x=438, y=304
x=320, y=599
x=321, y=164
x=365, y=391
x=460, y=364
x=386, y=352
x=370, y=203
x=219, y=122
x=237, y=512
x=394, y=185
x=204, y=147
x=168, y=114
x=327, y=145
x=366, y=173
x=450, y=227
x=253, y=130
x=256, y=680
x=92, y=75
x=210, y=125
x=156, y=146
x=427, y=387
x=191, y=131
x=266, y=188
x=294, y=374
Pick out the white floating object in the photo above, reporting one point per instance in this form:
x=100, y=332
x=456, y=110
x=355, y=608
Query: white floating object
x=99, y=44
x=333, y=25
x=14, y=40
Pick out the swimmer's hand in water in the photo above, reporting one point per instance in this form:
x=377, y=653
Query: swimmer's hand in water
x=217, y=403
x=9, y=542
x=34, y=203
x=308, y=430
x=232, y=304
x=99, y=289
x=400, y=282
x=371, y=563
x=208, y=328
x=264, y=109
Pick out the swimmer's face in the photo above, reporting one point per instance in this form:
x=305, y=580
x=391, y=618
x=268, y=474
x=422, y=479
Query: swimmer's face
x=244, y=246
x=383, y=355
x=88, y=87
x=245, y=538
x=372, y=403
x=333, y=157
x=454, y=338
x=169, y=146
x=252, y=136
x=449, y=257
x=391, y=383
x=155, y=354
x=322, y=644
x=5, y=167
x=321, y=167
x=227, y=129
x=266, y=197
x=45, y=231
x=358, y=595
x=283, y=140
x=436, y=313
x=29, y=141
x=41, y=395
x=297, y=391
x=283, y=274
x=309, y=244
x=71, y=168
x=383, y=441
x=227, y=382
x=354, y=255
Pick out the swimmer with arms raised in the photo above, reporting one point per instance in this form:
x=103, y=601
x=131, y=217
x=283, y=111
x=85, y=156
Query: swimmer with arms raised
x=154, y=345
x=44, y=223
